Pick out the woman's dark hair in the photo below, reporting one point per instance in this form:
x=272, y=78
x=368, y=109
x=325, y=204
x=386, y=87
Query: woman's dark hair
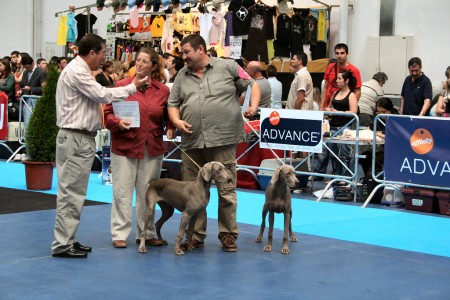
x=387, y=104
x=7, y=70
x=346, y=74
x=106, y=65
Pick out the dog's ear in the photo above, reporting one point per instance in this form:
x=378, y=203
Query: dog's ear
x=206, y=171
x=275, y=176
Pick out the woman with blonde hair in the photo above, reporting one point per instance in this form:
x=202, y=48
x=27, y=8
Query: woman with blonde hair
x=137, y=152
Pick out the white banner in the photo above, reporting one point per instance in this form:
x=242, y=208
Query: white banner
x=291, y=129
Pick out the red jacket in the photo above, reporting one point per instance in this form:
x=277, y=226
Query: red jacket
x=154, y=117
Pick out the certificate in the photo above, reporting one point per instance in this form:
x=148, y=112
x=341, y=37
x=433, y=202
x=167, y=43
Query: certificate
x=128, y=110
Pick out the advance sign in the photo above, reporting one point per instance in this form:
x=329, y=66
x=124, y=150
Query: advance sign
x=294, y=130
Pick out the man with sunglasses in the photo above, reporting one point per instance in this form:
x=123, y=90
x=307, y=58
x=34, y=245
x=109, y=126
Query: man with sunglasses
x=330, y=86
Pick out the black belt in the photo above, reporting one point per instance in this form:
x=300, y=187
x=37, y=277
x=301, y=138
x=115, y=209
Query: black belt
x=85, y=132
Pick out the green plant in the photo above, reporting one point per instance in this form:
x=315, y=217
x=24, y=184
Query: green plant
x=40, y=136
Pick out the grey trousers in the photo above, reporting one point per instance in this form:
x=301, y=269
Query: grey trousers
x=75, y=154
x=227, y=191
x=128, y=175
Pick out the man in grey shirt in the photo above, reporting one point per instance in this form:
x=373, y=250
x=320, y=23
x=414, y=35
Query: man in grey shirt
x=204, y=108
x=371, y=91
x=254, y=69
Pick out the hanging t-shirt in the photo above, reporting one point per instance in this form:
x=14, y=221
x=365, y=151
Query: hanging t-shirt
x=310, y=36
x=321, y=25
x=157, y=26
x=282, y=45
x=82, y=24
x=72, y=31
x=298, y=26
x=62, y=30
x=241, y=16
x=271, y=12
x=229, y=29
x=205, y=26
x=257, y=42
x=217, y=30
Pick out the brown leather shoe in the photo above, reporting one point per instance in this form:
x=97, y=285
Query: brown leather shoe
x=119, y=244
x=153, y=242
x=196, y=244
x=229, y=243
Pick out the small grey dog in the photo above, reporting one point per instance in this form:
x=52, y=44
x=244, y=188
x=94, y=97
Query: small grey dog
x=278, y=200
x=187, y=197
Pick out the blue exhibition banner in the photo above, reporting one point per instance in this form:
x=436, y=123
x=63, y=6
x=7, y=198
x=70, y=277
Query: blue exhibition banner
x=417, y=150
x=290, y=129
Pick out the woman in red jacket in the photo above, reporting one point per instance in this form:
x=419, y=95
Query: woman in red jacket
x=137, y=152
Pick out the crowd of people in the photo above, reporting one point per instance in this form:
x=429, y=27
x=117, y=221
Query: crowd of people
x=196, y=94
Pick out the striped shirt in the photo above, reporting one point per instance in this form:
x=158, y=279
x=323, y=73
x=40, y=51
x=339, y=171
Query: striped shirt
x=78, y=96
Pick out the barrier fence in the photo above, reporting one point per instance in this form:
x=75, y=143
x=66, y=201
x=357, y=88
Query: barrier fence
x=416, y=153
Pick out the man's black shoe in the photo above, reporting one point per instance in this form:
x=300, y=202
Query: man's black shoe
x=71, y=253
x=80, y=247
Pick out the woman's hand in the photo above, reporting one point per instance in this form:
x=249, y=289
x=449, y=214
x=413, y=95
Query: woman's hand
x=124, y=124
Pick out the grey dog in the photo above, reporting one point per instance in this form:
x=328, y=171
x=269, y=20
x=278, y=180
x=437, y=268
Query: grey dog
x=187, y=197
x=278, y=200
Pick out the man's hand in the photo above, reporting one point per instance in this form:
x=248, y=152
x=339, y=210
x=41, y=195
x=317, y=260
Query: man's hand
x=124, y=125
x=183, y=126
x=250, y=112
x=139, y=82
x=171, y=134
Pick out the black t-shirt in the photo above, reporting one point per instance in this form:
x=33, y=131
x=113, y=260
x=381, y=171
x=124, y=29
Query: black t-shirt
x=241, y=16
x=271, y=12
x=82, y=24
x=282, y=44
x=298, y=27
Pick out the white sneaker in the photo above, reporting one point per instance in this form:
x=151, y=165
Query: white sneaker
x=18, y=157
x=23, y=156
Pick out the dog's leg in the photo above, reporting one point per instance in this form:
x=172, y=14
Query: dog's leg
x=142, y=248
x=287, y=222
x=166, y=212
x=183, y=224
x=292, y=236
x=190, y=232
x=268, y=246
x=259, y=238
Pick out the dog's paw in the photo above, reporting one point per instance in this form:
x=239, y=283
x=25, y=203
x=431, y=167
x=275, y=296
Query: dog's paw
x=285, y=250
x=268, y=248
x=142, y=250
x=178, y=251
x=259, y=239
x=293, y=238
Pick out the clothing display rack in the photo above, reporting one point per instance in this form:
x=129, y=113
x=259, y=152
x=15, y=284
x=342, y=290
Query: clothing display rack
x=88, y=11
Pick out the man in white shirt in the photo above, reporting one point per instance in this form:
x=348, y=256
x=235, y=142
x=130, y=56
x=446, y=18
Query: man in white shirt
x=371, y=91
x=78, y=116
x=301, y=92
x=276, y=86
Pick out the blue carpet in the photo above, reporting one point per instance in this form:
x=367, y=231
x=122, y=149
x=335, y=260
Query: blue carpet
x=381, y=227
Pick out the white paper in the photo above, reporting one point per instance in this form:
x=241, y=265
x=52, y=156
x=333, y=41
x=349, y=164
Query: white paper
x=128, y=110
x=246, y=102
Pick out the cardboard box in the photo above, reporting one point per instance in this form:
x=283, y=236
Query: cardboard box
x=420, y=199
x=444, y=202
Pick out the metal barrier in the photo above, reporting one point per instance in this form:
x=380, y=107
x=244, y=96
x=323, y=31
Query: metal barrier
x=23, y=107
x=287, y=157
x=379, y=177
